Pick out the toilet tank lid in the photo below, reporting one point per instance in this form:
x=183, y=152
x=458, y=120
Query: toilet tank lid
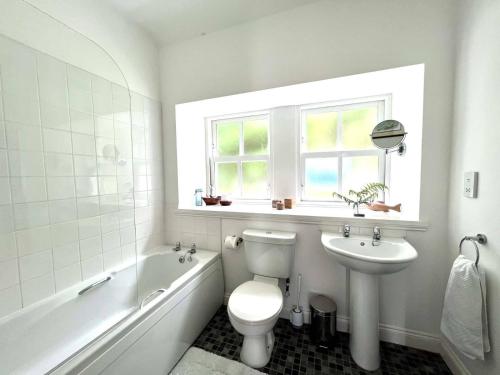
x=269, y=236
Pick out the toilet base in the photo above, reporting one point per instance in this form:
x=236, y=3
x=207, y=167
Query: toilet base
x=256, y=350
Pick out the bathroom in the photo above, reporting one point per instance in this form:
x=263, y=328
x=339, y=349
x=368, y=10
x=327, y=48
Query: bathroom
x=108, y=112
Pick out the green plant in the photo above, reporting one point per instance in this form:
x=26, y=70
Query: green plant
x=366, y=195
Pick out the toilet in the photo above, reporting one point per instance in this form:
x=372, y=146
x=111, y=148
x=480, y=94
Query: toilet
x=254, y=306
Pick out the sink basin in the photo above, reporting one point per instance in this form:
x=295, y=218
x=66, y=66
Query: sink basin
x=360, y=253
x=367, y=260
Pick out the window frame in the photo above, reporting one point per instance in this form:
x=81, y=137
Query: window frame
x=383, y=108
x=212, y=157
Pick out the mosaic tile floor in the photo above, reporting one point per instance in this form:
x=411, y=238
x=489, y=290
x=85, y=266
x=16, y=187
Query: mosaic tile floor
x=294, y=353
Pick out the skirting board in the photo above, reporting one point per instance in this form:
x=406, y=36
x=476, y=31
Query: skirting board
x=452, y=360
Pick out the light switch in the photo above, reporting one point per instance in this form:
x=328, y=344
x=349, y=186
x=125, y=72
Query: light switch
x=470, y=184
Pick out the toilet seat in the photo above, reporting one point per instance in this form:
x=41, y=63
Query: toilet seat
x=255, y=302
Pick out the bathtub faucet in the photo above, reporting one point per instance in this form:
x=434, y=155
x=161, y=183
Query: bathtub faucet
x=191, y=251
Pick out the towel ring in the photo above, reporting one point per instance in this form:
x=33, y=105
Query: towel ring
x=481, y=238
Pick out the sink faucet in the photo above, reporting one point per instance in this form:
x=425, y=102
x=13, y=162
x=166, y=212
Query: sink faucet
x=192, y=250
x=347, y=230
x=376, y=236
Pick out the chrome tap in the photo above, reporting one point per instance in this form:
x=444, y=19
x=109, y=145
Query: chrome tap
x=376, y=236
x=177, y=246
x=347, y=230
x=188, y=253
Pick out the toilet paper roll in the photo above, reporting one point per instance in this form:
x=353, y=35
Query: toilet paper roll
x=232, y=242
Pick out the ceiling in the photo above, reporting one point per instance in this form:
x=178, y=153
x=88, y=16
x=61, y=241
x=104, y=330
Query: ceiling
x=170, y=21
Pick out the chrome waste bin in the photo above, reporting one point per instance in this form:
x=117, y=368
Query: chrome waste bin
x=323, y=320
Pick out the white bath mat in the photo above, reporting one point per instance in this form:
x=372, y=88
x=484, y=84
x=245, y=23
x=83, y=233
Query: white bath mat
x=199, y=362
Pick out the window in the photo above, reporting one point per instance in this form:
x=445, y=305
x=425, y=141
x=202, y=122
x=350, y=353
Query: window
x=240, y=157
x=336, y=152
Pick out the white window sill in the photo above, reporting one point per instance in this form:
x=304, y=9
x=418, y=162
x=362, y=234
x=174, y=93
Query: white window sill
x=308, y=215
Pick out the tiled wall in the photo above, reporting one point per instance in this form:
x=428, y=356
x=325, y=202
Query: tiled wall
x=81, y=185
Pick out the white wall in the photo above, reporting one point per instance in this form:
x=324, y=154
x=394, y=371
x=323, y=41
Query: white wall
x=476, y=140
x=132, y=49
x=325, y=40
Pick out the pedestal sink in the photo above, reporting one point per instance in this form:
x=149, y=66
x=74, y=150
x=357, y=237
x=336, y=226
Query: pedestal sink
x=367, y=259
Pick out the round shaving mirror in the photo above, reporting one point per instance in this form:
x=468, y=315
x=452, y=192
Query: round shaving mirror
x=389, y=135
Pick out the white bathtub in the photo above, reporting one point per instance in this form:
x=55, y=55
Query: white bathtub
x=105, y=332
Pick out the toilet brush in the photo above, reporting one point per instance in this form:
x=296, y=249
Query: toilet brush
x=296, y=315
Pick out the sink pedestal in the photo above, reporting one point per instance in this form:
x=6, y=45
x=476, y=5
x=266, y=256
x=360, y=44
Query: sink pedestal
x=364, y=312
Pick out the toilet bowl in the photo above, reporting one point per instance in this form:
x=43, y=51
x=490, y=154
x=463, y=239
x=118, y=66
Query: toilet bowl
x=253, y=310
x=254, y=306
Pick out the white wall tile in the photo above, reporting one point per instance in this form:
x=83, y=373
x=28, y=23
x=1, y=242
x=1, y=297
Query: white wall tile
x=108, y=185
x=85, y=165
x=104, y=127
x=79, y=79
x=6, y=219
x=34, y=240
x=66, y=255
x=103, y=104
x=30, y=215
x=83, y=144
x=8, y=249
x=108, y=203
x=57, y=141
x=127, y=235
x=111, y=240
x=21, y=109
x=34, y=290
x=82, y=122
x=3, y=137
x=112, y=258
x=60, y=187
x=90, y=227
x=23, y=137
x=105, y=147
x=5, y=197
x=64, y=233
x=62, y=210
x=80, y=100
x=9, y=273
x=90, y=247
x=4, y=163
x=54, y=116
x=26, y=163
x=68, y=276
x=10, y=300
x=28, y=189
x=106, y=167
x=88, y=207
x=57, y=165
x=92, y=267
x=35, y=265
x=110, y=222
x=52, y=80
x=86, y=186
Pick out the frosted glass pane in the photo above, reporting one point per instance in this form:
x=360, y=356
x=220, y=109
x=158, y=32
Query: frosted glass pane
x=228, y=138
x=255, y=137
x=321, y=178
x=357, y=125
x=227, y=178
x=321, y=131
x=358, y=171
x=255, y=182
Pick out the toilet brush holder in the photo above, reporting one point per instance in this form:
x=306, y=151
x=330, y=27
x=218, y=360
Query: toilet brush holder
x=297, y=316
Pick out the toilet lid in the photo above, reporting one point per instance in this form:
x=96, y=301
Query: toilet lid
x=255, y=301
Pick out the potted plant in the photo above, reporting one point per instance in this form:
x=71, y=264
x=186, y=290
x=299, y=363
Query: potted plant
x=366, y=195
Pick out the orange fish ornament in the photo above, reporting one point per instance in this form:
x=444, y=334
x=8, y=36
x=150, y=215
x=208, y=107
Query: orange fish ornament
x=381, y=206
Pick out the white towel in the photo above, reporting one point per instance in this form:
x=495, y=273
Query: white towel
x=464, y=321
